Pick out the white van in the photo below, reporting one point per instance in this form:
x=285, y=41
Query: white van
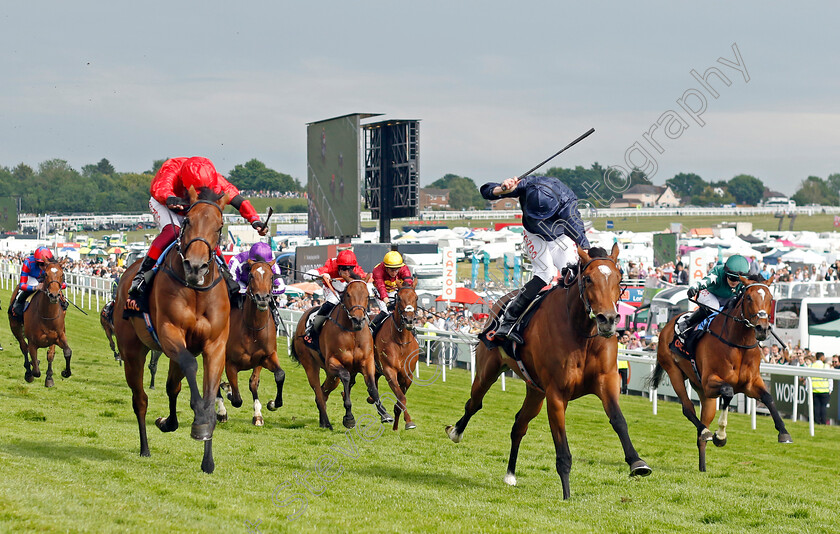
x=428, y=269
x=811, y=322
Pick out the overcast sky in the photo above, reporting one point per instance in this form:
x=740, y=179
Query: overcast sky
x=498, y=86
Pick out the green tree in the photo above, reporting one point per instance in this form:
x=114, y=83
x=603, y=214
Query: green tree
x=686, y=184
x=815, y=190
x=255, y=175
x=710, y=197
x=746, y=189
x=463, y=193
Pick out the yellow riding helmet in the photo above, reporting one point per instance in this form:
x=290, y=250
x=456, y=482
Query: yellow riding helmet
x=393, y=260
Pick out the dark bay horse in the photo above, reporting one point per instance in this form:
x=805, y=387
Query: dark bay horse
x=252, y=343
x=43, y=325
x=105, y=318
x=570, y=350
x=189, y=308
x=346, y=350
x=397, y=350
x=728, y=360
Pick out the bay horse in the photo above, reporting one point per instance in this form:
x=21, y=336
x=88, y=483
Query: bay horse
x=43, y=325
x=252, y=343
x=105, y=321
x=346, y=350
x=189, y=309
x=570, y=350
x=728, y=361
x=397, y=350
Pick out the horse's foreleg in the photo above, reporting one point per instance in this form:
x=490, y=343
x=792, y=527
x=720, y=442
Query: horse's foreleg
x=68, y=353
x=253, y=386
x=489, y=364
x=221, y=411
x=33, y=359
x=726, y=397
x=49, y=382
x=369, y=371
x=312, y=375
x=233, y=395
x=349, y=421
x=173, y=388
x=708, y=407
x=531, y=407
x=139, y=400
x=557, y=421
x=273, y=365
x=392, y=377
x=609, y=395
x=214, y=366
x=759, y=391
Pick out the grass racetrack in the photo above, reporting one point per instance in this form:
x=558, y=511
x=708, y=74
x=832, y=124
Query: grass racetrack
x=69, y=462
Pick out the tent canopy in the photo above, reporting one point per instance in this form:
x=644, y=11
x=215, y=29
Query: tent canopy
x=464, y=295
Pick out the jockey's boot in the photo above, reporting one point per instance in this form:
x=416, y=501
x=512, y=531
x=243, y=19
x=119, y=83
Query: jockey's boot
x=275, y=312
x=16, y=307
x=140, y=281
x=688, y=321
x=320, y=318
x=378, y=320
x=516, y=307
x=232, y=285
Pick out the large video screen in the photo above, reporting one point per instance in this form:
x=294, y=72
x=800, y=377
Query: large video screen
x=8, y=214
x=333, y=149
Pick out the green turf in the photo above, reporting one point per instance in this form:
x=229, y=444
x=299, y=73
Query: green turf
x=69, y=463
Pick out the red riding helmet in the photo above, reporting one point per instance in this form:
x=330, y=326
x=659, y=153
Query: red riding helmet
x=43, y=255
x=198, y=172
x=346, y=258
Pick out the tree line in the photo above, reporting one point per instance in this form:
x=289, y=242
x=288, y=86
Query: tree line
x=692, y=189
x=55, y=187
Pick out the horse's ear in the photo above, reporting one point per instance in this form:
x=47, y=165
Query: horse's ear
x=250, y=262
x=271, y=263
x=413, y=283
x=744, y=280
x=584, y=255
x=399, y=283
x=614, y=253
x=224, y=201
x=369, y=278
x=192, y=195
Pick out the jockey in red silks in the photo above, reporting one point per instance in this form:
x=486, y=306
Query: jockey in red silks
x=169, y=205
x=333, y=273
x=31, y=274
x=385, y=277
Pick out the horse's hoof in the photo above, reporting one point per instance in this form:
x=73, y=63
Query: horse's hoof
x=785, y=438
x=234, y=402
x=453, y=435
x=271, y=406
x=66, y=373
x=145, y=454
x=328, y=426
x=386, y=418
x=202, y=432
x=370, y=400
x=640, y=468
x=165, y=425
x=28, y=377
x=36, y=374
x=410, y=425
x=208, y=467
x=718, y=441
x=706, y=435
x=258, y=421
x=349, y=422
x=48, y=383
x=221, y=417
x=510, y=479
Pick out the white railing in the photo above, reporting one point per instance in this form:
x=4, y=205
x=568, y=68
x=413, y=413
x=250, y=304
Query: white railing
x=82, y=289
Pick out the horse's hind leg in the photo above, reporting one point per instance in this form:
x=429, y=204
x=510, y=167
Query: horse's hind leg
x=133, y=368
x=369, y=372
x=68, y=353
x=233, y=395
x=678, y=383
x=173, y=388
x=708, y=407
x=609, y=395
x=49, y=382
x=254, y=386
x=758, y=390
x=312, y=375
x=531, y=407
x=489, y=369
x=557, y=421
x=273, y=365
x=221, y=411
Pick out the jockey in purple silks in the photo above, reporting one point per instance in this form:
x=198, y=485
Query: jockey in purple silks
x=240, y=269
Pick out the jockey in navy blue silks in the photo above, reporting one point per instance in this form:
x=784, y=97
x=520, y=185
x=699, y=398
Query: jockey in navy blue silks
x=553, y=228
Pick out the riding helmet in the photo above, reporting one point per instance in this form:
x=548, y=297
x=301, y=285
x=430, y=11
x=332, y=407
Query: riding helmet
x=393, y=260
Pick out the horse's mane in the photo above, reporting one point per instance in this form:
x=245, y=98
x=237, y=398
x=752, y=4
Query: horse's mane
x=354, y=275
x=598, y=252
x=756, y=277
x=207, y=193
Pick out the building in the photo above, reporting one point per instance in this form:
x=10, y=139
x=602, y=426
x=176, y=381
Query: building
x=505, y=204
x=647, y=195
x=434, y=199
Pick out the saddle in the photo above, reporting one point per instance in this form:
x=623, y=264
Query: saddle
x=309, y=340
x=688, y=350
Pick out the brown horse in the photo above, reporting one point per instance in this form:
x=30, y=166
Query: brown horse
x=252, y=343
x=346, y=349
x=189, y=308
x=43, y=325
x=728, y=361
x=570, y=350
x=105, y=318
x=397, y=350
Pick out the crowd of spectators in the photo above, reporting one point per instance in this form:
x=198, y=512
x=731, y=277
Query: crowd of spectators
x=272, y=194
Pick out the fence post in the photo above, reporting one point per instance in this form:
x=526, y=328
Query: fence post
x=472, y=363
x=751, y=402
x=810, y=407
x=503, y=381
x=795, y=399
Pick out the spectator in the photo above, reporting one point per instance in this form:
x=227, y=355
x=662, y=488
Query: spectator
x=821, y=388
x=680, y=275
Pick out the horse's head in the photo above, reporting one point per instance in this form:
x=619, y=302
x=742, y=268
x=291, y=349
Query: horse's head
x=53, y=280
x=406, y=305
x=260, y=283
x=201, y=232
x=355, y=302
x=756, y=305
x=599, y=284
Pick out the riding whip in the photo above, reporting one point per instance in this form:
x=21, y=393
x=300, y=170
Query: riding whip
x=570, y=145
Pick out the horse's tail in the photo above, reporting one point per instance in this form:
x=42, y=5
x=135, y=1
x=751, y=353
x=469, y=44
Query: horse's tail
x=655, y=377
x=293, y=355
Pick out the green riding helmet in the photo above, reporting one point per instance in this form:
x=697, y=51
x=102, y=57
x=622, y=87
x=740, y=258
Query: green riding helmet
x=737, y=265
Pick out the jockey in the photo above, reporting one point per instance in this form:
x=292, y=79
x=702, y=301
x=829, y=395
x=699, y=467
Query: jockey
x=169, y=206
x=552, y=230
x=385, y=276
x=240, y=268
x=338, y=272
x=31, y=274
x=714, y=290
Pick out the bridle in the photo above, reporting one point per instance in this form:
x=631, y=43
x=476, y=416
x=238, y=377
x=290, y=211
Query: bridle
x=742, y=318
x=399, y=309
x=581, y=282
x=210, y=248
x=53, y=298
x=349, y=310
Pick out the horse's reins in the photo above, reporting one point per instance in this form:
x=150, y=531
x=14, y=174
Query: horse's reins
x=346, y=309
x=761, y=314
x=211, y=249
x=581, y=283
x=49, y=296
x=403, y=322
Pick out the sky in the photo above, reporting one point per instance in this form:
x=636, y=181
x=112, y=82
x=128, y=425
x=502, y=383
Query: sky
x=498, y=86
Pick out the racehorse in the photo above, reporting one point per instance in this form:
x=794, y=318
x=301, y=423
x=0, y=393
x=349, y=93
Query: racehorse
x=397, y=350
x=728, y=362
x=43, y=325
x=346, y=349
x=189, y=309
x=252, y=343
x=570, y=350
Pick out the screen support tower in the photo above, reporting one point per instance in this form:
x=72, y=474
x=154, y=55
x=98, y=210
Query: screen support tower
x=391, y=171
